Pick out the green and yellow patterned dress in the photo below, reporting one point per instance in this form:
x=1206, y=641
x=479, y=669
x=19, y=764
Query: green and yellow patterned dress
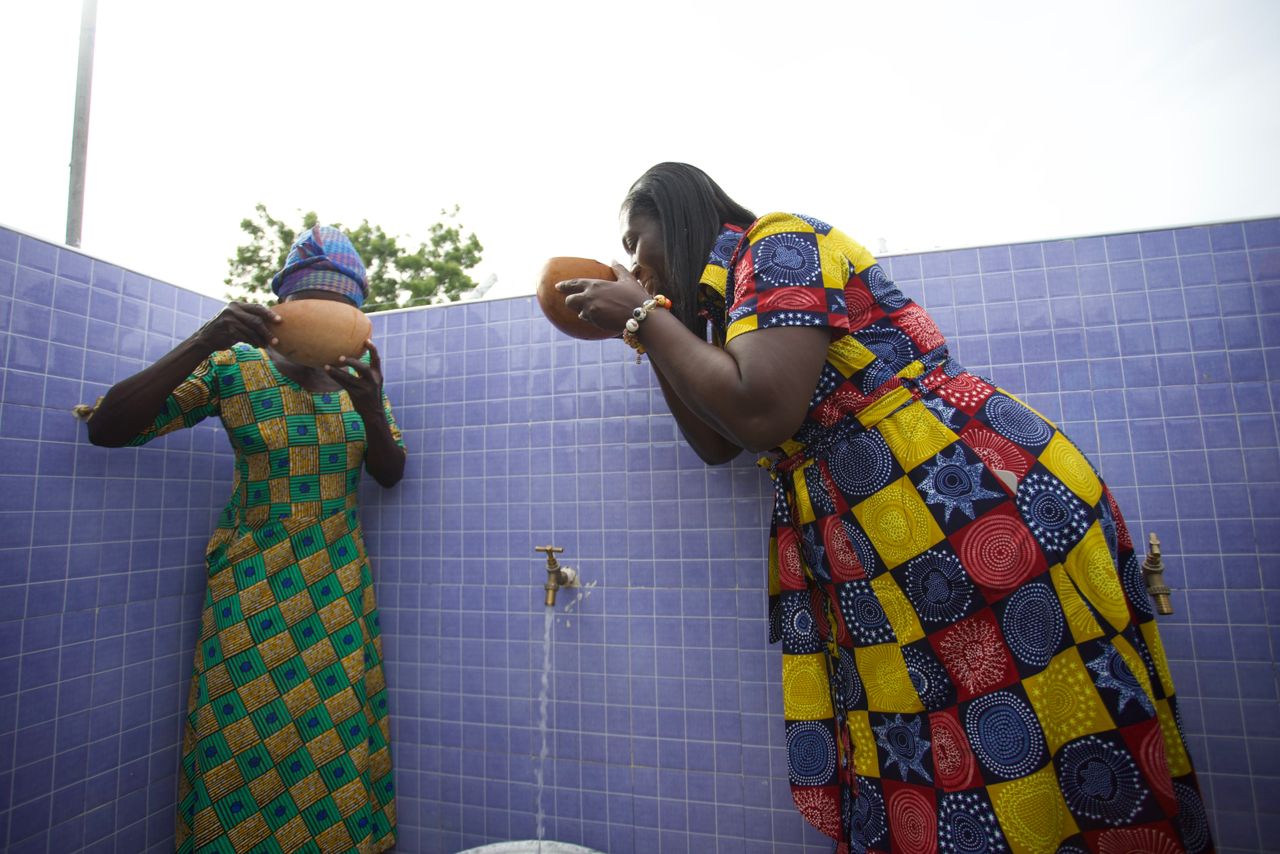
x=287, y=740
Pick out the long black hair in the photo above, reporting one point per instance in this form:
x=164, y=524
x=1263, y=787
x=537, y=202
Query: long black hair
x=690, y=208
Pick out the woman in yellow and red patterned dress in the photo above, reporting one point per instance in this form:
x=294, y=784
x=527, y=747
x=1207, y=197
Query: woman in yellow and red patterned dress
x=970, y=662
x=286, y=744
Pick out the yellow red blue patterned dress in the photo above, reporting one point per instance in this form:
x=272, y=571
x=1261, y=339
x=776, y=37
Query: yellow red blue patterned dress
x=970, y=662
x=286, y=745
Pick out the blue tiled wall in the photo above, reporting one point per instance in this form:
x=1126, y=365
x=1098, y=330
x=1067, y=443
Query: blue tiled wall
x=100, y=555
x=1158, y=352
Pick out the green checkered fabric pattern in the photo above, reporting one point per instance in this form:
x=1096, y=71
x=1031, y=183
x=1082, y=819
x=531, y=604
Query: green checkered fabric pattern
x=287, y=745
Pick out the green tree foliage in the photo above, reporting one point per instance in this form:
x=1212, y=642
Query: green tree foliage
x=437, y=271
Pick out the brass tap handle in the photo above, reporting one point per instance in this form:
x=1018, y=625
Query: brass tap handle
x=551, y=552
x=1153, y=573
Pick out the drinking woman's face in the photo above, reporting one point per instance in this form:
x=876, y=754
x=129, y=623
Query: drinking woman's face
x=642, y=240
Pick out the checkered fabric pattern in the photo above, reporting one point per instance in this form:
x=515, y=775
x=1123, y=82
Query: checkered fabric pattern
x=970, y=660
x=286, y=745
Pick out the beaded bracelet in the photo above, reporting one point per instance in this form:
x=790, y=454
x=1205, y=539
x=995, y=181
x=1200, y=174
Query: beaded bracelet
x=637, y=317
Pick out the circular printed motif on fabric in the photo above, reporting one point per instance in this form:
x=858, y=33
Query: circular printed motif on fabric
x=1100, y=781
x=881, y=667
x=1105, y=591
x=998, y=551
x=1033, y=624
x=841, y=558
x=928, y=678
x=1192, y=820
x=790, y=569
x=859, y=304
x=848, y=683
x=861, y=465
x=811, y=753
x=952, y=759
x=873, y=376
x=968, y=825
x=899, y=525
x=804, y=689
x=1056, y=517
x=1067, y=701
x=882, y=287
x=1072, y=468
x=725, y=244
x=1024, y=819
x=1129, y=840
x=863, y=614
x=867, y=555
x=820, y=808
x=786, y=259
x=799, y=632
x=913, y=822
x=1005, y=734
x=974, y=654
x=920, y=326
x=1015, y=421
x=797, y=305
x=995, y=450
x=868, y=821
x=937, y=587
x=891, y=346
x=1154, y=762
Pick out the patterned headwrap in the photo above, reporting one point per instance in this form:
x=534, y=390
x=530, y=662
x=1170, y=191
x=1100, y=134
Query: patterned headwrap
x=322, y=259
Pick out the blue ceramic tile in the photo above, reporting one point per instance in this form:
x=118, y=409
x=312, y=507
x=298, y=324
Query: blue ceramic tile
x=1192, y=240
x=1226, y=236
x=1123, y=247
x=37, y=254
x=1162, y=274
x=997, y=287
x=935, y=264
x=8, y=245
x=1196, y=269
x=75, y=266
x=1264, y=264
x=1094, y=279
x=1026, y=256
x=994, y=259
x=1231, y=267
x=1262, y=232
x=1157, y=244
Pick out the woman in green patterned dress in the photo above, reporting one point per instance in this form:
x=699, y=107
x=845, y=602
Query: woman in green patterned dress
x=286, y=745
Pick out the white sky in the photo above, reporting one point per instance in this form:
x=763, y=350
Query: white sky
x=923, y=125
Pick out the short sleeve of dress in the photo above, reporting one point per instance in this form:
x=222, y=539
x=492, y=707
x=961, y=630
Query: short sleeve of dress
x=195, y=399
x=391, y=422
x=791, y=272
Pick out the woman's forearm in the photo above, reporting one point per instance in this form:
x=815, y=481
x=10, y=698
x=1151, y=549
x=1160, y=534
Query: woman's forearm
x=708, y=444
x=131, y=405
x=755, y=393
x=383, y=458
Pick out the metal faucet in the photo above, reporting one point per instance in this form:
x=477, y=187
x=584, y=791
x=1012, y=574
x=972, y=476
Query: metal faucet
x=1153, y=572
x=557, y=576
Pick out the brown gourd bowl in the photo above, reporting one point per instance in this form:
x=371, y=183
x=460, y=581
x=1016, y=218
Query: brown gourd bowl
x=315, y=332
x=551, y=301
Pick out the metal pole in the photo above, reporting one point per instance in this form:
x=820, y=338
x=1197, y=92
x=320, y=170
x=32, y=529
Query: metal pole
x=80, y=130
